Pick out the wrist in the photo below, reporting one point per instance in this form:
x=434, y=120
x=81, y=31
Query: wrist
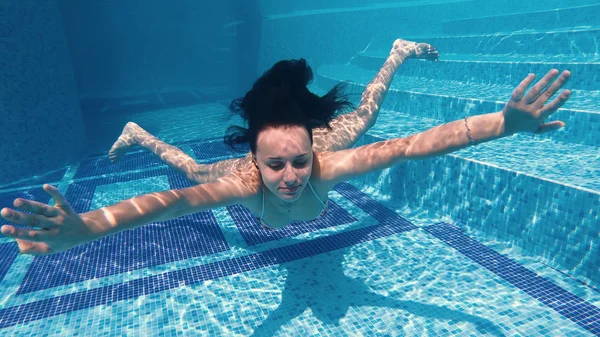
x=501, y=122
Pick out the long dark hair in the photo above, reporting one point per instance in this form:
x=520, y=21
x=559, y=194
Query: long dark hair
x=280, y=98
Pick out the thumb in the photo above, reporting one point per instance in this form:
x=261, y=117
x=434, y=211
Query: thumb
x=548, y=127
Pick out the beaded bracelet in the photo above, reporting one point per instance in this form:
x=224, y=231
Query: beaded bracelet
x=469, y=133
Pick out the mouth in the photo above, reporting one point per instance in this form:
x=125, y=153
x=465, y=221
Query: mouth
x=290, y=190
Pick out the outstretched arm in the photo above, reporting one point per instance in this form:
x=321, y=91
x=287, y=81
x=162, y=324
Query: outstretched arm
x=60, y=228
x=523, y=113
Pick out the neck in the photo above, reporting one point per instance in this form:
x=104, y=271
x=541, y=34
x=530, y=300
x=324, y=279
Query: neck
x=277, y=201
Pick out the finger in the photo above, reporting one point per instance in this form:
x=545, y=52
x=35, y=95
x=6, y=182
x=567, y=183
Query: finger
x=564, y=77
x=520, y=89
x=36, y=207
x=537, y=89
x=33, y=220
x=33, y=248
x=555, y=104
x=550, y=127
x=33, y=235
x=60, y=201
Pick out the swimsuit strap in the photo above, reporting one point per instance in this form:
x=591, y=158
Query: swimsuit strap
x=315, y=193
x=262, y=213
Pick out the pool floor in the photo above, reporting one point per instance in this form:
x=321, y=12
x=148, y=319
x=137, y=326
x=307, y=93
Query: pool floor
x=363, y=269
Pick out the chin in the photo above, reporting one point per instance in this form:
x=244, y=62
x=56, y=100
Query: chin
x=290, y=197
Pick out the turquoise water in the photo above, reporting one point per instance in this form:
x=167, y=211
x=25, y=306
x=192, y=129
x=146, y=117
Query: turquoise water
x=500, y=239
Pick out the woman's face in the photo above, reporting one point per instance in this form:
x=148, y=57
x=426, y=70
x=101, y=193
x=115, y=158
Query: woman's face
x=284, y=157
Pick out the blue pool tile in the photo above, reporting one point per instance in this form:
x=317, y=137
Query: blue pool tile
x=158, y=243
x=131, y=161
x=217, y=149
x=544, y=290
x=185, y=142
x=154, y=244
x=80, y=193
x=198, y=141
x=8, y=254
x=7, y=199
x=47, y=178
x=370, y=206
x=148, y=285
x=254, y=234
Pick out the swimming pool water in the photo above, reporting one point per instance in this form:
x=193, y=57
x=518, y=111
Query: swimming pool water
x=361, y=269
x=499, y=239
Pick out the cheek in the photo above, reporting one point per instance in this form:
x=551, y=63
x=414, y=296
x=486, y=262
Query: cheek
x=271, y=178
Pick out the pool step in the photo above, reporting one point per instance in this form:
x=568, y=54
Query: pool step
x=447, y=100
x=516, y=190
x=542, y=20
x=583, y=42
x=492, y=69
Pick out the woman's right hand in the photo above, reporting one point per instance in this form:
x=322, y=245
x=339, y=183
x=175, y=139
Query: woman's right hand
x=60, y=228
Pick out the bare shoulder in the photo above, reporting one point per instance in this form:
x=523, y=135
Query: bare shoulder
x=250, y=183
x=238, y=187
x=335, y=166
x=321, y=176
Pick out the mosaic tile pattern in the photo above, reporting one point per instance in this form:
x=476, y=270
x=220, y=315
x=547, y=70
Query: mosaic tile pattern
x=390, y=223
x=580, y=41
x=567, y=304
x=48, y=178
x=372, y=207
x=141, y=103
x=254, y=234
x=178, y=144
x=542, y=20
x=154, y=244
x=40, y=94
x=148, y=285
x=130, y=161
x=544, y=218
x=491, y=70
x=7, y=199
x=8, y=254
x=143, y=247
x=449, y=100
x=213, y=150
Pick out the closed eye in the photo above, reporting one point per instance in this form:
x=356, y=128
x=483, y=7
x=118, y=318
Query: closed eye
x=280, y=166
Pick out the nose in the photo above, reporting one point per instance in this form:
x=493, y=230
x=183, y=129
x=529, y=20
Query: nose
x=290, y=176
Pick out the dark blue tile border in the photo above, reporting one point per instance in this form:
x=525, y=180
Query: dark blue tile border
x=151, y=245
x=7, y=198
x=254, y=234
x=560, y=300
x=576, y=309
x=110, y=294
x=154, y=244
x=8, y=254
x=372, y=207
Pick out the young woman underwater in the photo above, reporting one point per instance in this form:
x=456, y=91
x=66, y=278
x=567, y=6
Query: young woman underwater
x=295, y=141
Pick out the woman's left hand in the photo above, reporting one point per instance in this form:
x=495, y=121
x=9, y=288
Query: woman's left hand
x=527, y=112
